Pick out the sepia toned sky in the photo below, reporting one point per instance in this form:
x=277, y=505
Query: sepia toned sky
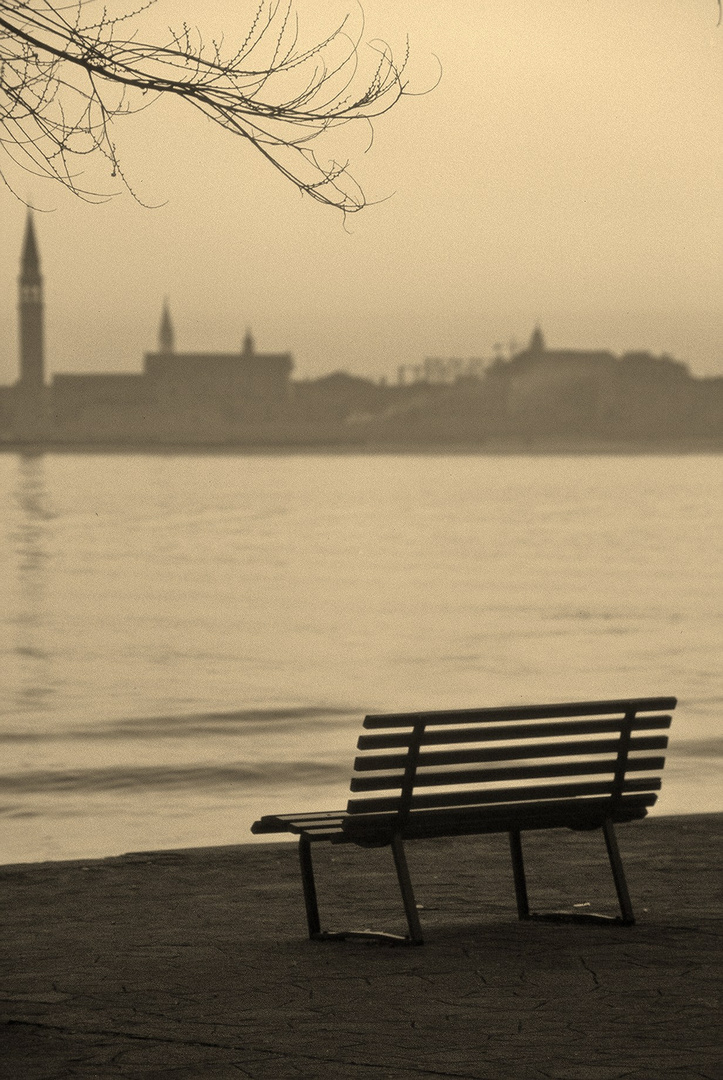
x=566, y=170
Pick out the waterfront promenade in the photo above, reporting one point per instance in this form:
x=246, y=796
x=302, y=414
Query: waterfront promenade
x=194, y=965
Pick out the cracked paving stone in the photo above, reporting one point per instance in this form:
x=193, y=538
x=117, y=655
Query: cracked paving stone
x=194, y=965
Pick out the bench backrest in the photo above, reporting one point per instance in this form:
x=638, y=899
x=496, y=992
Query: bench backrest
x=604, y=752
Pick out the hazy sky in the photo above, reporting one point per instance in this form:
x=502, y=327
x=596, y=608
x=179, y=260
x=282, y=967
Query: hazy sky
x=566, y=170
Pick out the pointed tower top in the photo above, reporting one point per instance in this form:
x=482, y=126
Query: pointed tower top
x=166, y=337
x=249, y=348
x=537, y=341
x=30, y=259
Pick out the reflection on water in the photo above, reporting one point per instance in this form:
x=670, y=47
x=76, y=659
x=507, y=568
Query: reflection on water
x=31, y=538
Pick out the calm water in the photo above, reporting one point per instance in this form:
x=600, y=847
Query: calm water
x=188, y=641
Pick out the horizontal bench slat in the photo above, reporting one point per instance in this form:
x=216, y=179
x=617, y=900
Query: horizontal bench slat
x=378, y=762
x=274, y=823
x=457, y=820
x=320, y=832
x=443, y=778
x=482, y=797
x=493, y=813
x=519, y=712
x=398, y=740
x=316, y=815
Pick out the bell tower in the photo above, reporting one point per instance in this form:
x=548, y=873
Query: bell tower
x=30, y=308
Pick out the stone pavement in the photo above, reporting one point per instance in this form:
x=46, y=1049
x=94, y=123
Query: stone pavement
x=194, y=965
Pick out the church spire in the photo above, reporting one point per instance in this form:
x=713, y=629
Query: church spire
x=537, y=341
x=30, y=260
x=166, y=336
x=249, y=348
x=30, y=310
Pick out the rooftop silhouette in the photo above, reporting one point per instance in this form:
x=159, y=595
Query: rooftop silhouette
x=247, y=397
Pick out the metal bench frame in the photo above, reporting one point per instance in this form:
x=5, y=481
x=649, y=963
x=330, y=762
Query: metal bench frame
x=396, y=759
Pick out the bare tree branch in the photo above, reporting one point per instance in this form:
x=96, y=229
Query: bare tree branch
x=65, y=80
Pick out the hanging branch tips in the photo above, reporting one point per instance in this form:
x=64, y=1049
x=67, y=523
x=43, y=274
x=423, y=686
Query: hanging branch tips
x=66, y=80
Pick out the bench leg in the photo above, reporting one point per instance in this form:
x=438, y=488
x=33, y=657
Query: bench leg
x=616, y=865
x=518, y=870
x=312, y=907
x=307, y=880
x=405, y=885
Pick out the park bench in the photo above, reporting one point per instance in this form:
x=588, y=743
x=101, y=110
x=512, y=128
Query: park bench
x=580, y=765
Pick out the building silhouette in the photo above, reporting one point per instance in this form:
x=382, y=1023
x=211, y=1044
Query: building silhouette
x=593, y=392
x=247, y=397
x=196, y=397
